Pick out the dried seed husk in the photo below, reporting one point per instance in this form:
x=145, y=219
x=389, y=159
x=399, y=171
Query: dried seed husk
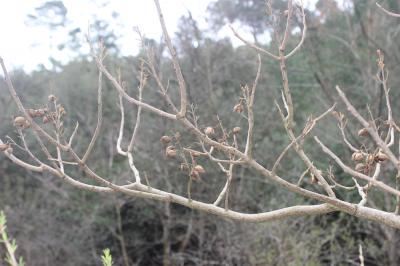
x=194, y=175
x=199, y=169
x=37, y=112
x=170, y=152
x=357, y=156
x=209, y=131
x=236, y=130
x=362, y=132
x=21, y=122
x=31, y=112
x=165, y=139
x=46, y=119
x=238, y=108
x=380, y=156
x=4, y=147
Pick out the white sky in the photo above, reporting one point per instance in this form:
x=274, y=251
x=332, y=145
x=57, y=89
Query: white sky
x=26, y=46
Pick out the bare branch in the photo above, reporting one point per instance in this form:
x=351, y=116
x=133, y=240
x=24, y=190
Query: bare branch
x=372, y=131
x=250, y=113
x=99, y=107
x=254, y=46
x=175, y=62
x=356, y=174
x=121, y=91
x=387, y=11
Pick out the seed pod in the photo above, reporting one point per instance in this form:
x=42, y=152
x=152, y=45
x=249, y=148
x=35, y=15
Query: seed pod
x=236, y=130
x=238, y=108
x=37, y=113
x=41, y=112
x=380, y=156
x=170, y=152
x=31, y=112
x=357, y=156
x=199, y=169
x=194, y=175
x=286, y=13
x=46, y=119
x=20, y=121
x=4, y=147
x=359, y=167
x=165, y=139
x=362, y=132
x=209, y=131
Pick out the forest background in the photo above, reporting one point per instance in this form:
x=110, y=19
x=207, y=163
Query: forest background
x=55, y=224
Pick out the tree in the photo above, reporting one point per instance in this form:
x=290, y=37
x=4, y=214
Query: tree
x=228, y=149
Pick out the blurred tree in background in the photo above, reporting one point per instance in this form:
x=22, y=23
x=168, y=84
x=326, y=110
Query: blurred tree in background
x=55, y=224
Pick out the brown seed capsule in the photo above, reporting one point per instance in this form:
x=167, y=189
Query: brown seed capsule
x=170, y=152
x=31, y=112
x=46, y=119
x=209, y=131
x=194, y=175
x=37, y=113
x=199, y=169
x=238, y=108
x=357, y=156
x=362, y=132
x=165, y=139
x=41, y=112
x=380, y=156
x=4, y=147
x=20, y=121
x=360, y=167
x=236, y=130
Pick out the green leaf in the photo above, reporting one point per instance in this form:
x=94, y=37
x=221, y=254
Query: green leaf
x=106, y=258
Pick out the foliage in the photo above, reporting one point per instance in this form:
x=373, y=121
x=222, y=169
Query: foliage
x=106, y=258
x=9, y=244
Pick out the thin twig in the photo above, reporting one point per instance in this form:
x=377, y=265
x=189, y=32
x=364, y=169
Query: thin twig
x=175, y=62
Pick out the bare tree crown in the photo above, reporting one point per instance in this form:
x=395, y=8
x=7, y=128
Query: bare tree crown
x=223, y=151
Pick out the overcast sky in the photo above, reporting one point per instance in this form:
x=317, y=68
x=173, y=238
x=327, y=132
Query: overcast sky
x=26, y=46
